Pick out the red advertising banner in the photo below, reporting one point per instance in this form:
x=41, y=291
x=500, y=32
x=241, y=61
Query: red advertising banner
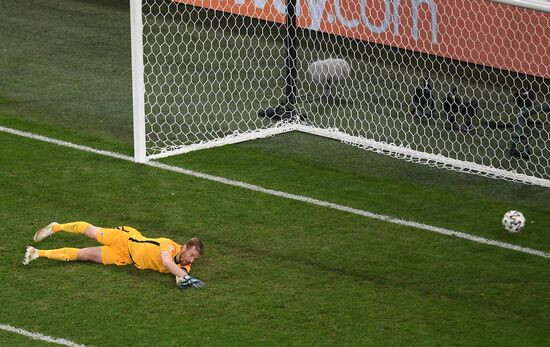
x=481, y=31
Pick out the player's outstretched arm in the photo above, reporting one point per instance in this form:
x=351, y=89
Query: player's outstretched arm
x=183, y=280
x=169, y=264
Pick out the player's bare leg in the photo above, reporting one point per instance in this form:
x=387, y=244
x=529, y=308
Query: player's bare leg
x=91, y=231
x=85, y=228
x=90, y=254
x=64, y=254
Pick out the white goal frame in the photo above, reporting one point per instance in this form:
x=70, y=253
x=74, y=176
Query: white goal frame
x=297, y=124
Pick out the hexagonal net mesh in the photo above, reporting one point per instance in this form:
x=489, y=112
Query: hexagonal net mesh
x=456, y=84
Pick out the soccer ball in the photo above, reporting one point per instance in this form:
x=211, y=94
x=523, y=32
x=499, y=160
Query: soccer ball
x=513, y=221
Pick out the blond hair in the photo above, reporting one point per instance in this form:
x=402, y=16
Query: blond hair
x=197, y=243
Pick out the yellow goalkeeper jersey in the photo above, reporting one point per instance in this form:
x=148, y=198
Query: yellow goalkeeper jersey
x=145, y=252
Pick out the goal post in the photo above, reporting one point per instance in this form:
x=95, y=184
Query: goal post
x=138, y=88
x=455, y=84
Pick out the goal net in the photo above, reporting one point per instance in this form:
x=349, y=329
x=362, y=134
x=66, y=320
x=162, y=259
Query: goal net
x=463, y=85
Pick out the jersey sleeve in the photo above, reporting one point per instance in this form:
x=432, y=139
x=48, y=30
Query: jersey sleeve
x=168, y=246
x=186, y=267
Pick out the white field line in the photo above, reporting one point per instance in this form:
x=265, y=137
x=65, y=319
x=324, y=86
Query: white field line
x=302, y=198
x=38, y=336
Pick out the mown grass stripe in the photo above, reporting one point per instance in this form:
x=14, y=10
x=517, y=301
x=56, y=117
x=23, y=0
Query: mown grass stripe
x=388, y=219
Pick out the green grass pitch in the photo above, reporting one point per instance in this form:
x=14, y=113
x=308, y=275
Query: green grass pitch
x=278, y=271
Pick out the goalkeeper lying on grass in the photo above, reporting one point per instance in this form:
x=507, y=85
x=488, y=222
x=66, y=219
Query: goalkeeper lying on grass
x=123, y=246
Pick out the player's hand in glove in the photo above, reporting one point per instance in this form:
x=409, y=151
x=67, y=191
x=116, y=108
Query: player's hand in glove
x=189, y=282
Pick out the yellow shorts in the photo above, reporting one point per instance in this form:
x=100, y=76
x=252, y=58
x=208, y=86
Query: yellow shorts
x=115, y=244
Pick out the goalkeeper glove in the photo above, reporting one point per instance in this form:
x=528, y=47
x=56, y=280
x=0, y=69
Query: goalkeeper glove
x=189, y=282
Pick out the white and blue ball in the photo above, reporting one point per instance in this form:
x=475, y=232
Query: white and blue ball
x=513, y=221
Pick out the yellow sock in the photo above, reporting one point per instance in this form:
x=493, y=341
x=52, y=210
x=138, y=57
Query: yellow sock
x=63, y=254
x=74, y=227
